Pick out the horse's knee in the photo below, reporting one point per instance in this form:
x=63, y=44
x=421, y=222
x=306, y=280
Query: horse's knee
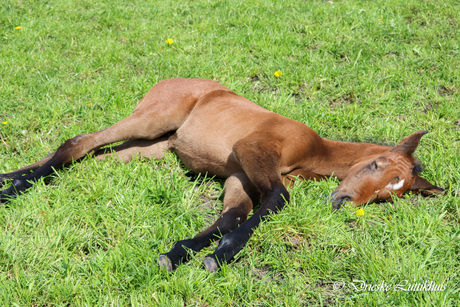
x=240, y=193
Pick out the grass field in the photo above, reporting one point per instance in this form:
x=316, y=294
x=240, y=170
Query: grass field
x=352, y=70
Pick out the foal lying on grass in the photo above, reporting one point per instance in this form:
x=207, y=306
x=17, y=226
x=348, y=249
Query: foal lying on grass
x=217, y=132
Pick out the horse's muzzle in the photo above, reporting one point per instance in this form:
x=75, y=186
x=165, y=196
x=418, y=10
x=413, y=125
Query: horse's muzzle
x=338, y=198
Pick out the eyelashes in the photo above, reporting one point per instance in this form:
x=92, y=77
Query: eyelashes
x=374, y=166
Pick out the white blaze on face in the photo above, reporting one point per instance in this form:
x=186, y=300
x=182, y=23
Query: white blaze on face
x=395, y=186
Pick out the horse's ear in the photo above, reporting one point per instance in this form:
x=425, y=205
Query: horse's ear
x=424, y=187
x=409, y=144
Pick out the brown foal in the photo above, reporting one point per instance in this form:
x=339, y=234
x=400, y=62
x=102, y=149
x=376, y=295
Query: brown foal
x=217, y=132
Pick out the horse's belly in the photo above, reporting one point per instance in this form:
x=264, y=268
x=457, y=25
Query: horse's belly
x=204, y=141
x=204, y=154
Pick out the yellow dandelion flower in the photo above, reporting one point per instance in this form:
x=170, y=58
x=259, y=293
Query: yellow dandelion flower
x=360, y=212
x=389, y=217
x=18, y=28
x=278, y=73
x=90, y=104
x=381, y=21
x=5, y=123
x=170, y=41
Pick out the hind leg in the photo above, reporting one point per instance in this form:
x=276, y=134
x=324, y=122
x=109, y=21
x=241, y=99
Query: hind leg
x=136, y=148
x=140, y=125
x=72, y=150
x=124, y=152
x=25, y=170
x=164, y=109
x=240, y=196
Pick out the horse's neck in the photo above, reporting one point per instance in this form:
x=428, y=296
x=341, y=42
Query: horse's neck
x=340, y=156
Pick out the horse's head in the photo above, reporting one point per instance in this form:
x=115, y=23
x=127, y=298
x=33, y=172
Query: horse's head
x=376, y=178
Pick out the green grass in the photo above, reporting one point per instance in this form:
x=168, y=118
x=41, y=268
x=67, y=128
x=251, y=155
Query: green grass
x=352, y=70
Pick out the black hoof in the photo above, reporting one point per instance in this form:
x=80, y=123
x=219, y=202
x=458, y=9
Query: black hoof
x=165, y=263
x=211, y=264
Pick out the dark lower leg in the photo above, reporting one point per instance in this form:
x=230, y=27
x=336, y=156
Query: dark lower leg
x=22, y=183
x=233, y=242
x=25, y=170
x=16, y=174
x=240, y=195
x=181, y=250
x=72, y=149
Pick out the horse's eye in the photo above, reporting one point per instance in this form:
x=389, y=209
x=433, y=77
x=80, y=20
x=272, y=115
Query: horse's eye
x=396, y=179
x=374, y=166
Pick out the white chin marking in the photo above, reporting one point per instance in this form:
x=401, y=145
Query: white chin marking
x=395, y=186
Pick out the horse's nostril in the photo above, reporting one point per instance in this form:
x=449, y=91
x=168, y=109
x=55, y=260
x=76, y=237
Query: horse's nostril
x=345, y=198
x=337, y=202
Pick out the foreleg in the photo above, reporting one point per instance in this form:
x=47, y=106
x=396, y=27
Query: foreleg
x=290, y=178
x=240, y=195
x=260, y=159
